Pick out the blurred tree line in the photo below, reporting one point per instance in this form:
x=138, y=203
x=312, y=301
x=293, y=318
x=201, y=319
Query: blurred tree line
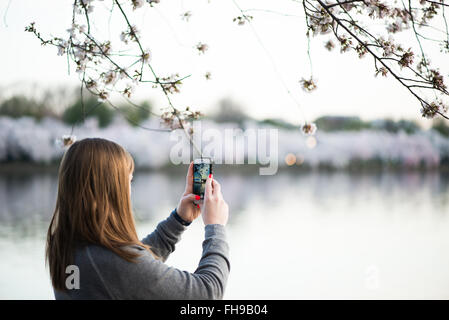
x=104, y=113
x=338, y=123
x=19, y=106
x=227, y=111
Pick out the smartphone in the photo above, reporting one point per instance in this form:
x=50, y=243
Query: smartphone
x=201, y=170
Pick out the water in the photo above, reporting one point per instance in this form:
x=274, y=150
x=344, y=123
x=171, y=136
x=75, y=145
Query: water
x=295, y=235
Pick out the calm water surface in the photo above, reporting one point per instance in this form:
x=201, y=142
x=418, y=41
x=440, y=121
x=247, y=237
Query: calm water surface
x=295, y=235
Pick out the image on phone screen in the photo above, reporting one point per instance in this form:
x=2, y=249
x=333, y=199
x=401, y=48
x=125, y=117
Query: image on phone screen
x=200, y=173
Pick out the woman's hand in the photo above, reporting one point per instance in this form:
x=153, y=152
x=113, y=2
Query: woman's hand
x=187, y=209
x=215, y=208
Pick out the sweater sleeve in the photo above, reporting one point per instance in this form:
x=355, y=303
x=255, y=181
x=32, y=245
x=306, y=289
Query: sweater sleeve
x=164, y=238
x=153, y=279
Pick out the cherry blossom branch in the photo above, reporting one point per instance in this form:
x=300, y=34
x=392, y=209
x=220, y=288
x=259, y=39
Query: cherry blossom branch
x=176, y=112
x=92, y=55
x=324, y=17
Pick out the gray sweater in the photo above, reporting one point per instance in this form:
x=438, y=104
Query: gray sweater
x=105, y=275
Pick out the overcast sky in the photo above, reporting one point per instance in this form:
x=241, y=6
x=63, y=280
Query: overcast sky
x=241, y=68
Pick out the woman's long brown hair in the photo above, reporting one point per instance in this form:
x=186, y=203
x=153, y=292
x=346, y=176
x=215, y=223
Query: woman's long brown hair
x=93, y=205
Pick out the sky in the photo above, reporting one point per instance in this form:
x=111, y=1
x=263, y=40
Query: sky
x=255, y=65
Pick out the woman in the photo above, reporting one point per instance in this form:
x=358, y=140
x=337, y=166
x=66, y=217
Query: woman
x=92, y=232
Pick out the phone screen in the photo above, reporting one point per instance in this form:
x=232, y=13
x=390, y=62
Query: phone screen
x=201, y=171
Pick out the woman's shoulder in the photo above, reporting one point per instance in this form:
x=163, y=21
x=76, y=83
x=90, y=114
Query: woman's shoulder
x=89, y=250
x=99, y=255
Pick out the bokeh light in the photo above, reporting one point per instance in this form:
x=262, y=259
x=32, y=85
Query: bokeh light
x=290, y=159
